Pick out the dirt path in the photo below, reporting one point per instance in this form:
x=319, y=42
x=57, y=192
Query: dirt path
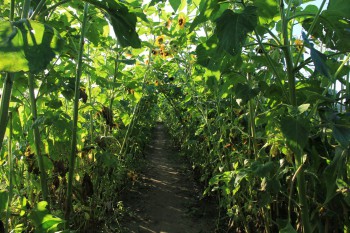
x=165, y=194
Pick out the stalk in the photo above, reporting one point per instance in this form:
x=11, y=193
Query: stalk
x=12, y=10
x=301, y=184
x=91, y=104
x=129, y=129
x=37, y=140
x=348, y=90
x=75, y=118
x=38, y=9
x=10, y=164
x=115, y=75
x=25, y=10
x=288, y=57
x=4, y=106
x=252, y=126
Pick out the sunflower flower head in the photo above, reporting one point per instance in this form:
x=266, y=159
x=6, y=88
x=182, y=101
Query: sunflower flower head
x=299, y=44
x=160, y=40
x=181, y=21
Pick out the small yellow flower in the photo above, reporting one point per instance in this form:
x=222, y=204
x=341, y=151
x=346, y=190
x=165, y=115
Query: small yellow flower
x=160, y=40
x=299, y=44
x=181, y=21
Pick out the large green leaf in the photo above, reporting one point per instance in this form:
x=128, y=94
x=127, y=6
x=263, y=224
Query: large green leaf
x=341, y=129
x=27, y=46
x=319, y=59
x=206, y=10
x=122, y=20
x=267, y=10
x=333, y=26
x=232, y=29
x=296, y=131
x=339, y=7
x=211, y=56
x=175, y=4
x=332, y=172
x=42, y=219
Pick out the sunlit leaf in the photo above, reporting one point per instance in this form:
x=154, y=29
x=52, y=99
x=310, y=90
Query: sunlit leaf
x=267, y=10
x=27, y=46
x=122, y=20
x=206, y=10
x=333, y=26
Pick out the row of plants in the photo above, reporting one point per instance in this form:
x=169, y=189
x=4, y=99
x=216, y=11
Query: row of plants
x=76, y=113
x=262, y=112
x=254, y=92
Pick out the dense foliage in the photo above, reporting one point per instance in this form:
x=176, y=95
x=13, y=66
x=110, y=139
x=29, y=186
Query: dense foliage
x=255, y=93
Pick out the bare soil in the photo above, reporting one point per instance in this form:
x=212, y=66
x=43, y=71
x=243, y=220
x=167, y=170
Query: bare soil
x=165, y=198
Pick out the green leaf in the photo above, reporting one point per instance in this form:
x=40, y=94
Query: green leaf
x=122, y=20
x=296, y=133
x=54, y=104
x=244, y=92
x=267, y=10
x=96, y=30
x=288, y=229
x=333, y=26
x=42, y=219
x=3, y=201
x=263, y=169
x=232, y=29
x=341, y=129
x=208, y=55
x=27, y=45
x=339, y=7
x=319, y=59
x=303, y=108
x=331, y=172
x=206, y=10
x=175, y=4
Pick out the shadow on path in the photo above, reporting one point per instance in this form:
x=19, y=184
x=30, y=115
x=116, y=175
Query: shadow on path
x=165, y=191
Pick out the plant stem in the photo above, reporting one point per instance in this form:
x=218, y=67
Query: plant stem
x=288, y=58
x=25, y=10
x=37, y=140
x=5, y=102
x=10, y=164
x=12, y=10
x=75, y=118
x=301, y=184
x=252, y=122
x=38, y=9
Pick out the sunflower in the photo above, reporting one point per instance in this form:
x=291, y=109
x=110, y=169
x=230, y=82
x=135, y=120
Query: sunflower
x=181, y=21
x=299, y=44
x=160, y=40
x=154, y=52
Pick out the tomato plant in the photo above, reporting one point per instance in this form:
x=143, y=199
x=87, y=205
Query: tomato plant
x=255, y=94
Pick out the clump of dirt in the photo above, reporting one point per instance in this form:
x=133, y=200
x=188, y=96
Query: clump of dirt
x=165, y=198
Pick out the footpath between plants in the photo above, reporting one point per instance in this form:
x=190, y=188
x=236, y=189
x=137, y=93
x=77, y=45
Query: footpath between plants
x=164, y=197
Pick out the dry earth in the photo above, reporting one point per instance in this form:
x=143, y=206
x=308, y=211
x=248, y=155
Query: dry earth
x=164, y=199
